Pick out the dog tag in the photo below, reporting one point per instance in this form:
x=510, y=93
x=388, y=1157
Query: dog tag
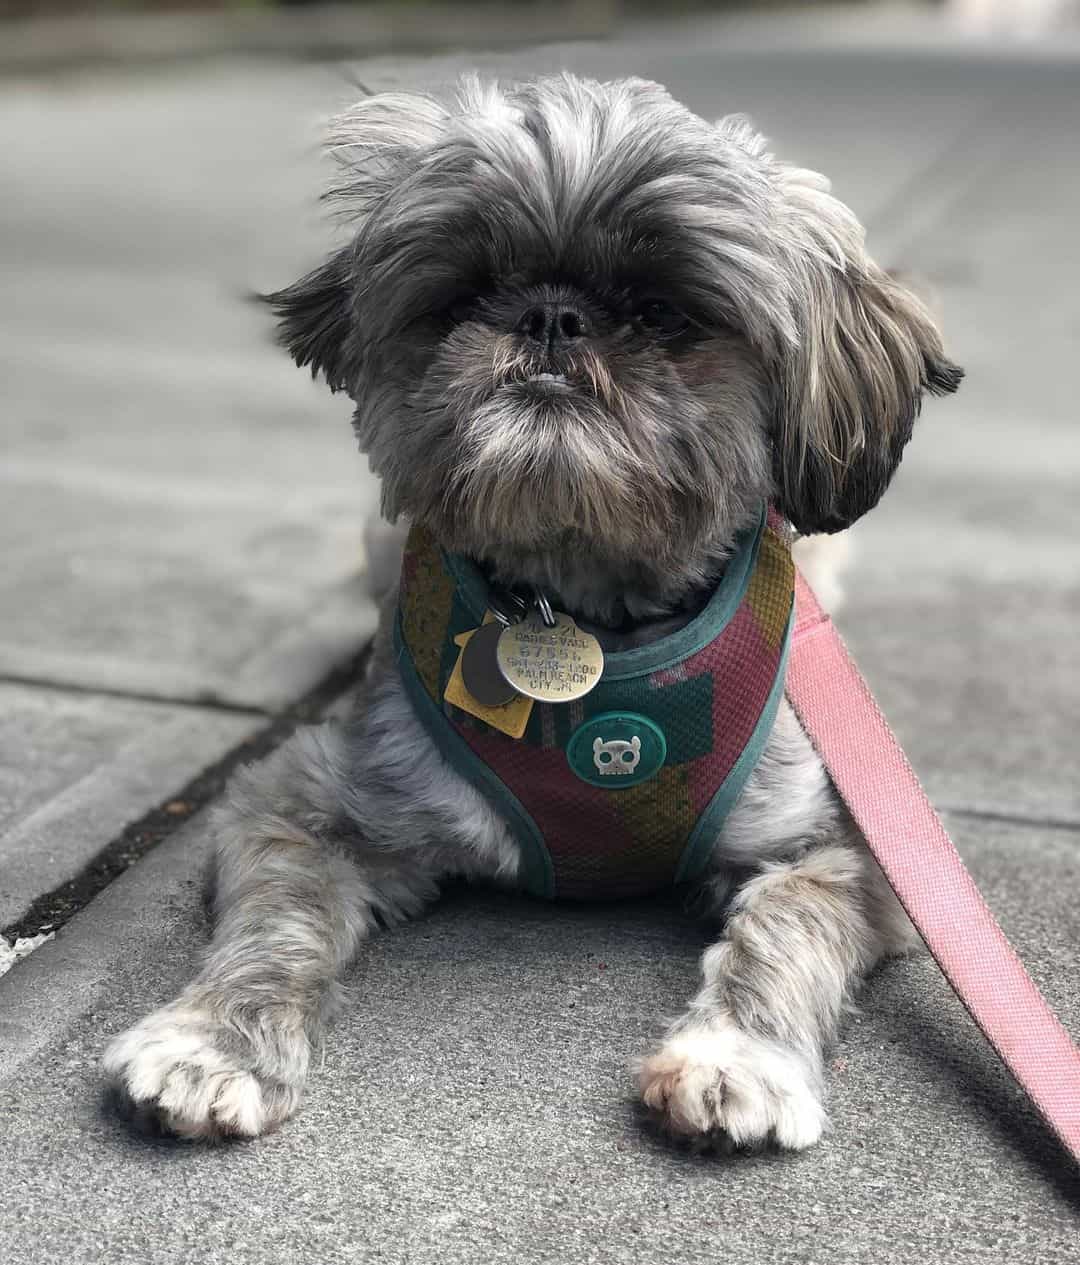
x=551, y=664
x=511, y=718
x=480, y=668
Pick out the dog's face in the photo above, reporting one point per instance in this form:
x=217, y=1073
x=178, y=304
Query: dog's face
x=576, y=315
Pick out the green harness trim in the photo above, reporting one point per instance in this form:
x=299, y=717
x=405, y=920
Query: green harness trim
x=625, y=665
x=538, y=874
x=696, y=855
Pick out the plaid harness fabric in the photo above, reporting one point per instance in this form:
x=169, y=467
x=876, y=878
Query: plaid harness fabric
x=623, y=791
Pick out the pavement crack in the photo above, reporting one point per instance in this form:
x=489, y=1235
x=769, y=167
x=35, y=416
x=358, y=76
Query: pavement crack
x=201, y=702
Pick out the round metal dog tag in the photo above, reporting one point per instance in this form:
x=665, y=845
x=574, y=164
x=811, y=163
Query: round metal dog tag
x=552, y=665
x=480, y=669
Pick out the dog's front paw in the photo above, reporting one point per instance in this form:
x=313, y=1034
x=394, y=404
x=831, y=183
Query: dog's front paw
x=199, y=1077
x=719, y=1080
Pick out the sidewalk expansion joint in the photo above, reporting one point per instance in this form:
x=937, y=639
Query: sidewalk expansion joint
x=200, y=702
x=54, y=908
x=1029, y=820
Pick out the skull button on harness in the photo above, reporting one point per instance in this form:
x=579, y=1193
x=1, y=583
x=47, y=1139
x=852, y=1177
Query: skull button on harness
x=617, y=750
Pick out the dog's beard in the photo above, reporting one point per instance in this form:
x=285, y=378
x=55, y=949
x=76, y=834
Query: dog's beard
x=539, y=464
x=538, y=447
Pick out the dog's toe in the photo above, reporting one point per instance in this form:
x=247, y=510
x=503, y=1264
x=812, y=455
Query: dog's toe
x=197, y=1078
x=722, y=1082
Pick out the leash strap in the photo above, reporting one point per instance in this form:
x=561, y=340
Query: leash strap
x=905, y=835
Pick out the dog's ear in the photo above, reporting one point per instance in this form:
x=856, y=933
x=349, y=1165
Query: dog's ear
x=375, y=145
x=315, y=317
x=851, y=386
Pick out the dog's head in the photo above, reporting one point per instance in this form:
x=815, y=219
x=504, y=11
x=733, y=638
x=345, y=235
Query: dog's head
x=574, y=311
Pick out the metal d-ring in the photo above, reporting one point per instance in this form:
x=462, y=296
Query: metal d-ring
x=544, y=607
x=507, y=607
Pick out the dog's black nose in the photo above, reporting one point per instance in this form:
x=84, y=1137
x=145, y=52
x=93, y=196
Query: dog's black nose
x=551, y=323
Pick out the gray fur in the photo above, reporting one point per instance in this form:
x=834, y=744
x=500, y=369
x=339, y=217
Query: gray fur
x=621, y=489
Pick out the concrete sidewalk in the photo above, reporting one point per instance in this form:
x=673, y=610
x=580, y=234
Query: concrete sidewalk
x=182, y=544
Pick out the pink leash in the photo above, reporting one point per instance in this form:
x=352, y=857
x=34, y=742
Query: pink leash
x=890, y=807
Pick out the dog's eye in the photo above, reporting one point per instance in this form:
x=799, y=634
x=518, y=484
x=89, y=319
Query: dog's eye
x=661, y=317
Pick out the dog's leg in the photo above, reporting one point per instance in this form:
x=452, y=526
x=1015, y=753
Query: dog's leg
x=230, y=1054
x=339, y=829
x=746, y=1060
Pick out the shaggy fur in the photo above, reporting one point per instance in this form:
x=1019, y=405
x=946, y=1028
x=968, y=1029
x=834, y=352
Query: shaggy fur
x=586, y=334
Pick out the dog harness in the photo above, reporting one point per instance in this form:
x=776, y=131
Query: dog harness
x=624, y=790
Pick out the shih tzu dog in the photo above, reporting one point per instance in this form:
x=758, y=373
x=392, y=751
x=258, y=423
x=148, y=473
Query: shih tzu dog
x=606, y=357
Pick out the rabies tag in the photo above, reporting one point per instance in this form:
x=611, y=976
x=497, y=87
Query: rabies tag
x=552, y=665
x=509, y=718
x=480, y=668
